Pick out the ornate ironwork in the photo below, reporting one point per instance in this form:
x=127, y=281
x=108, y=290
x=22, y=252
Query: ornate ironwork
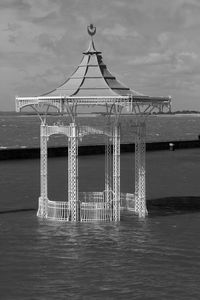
x=73, y=172
x=91, y=29
x=42, y=210
x=104, y=205
x=116, y=173
x=140, y=171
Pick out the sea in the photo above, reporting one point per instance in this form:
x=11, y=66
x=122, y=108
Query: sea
x=23, y=130
x=154, y=258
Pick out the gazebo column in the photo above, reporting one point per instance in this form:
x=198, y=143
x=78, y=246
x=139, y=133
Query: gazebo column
x=140, y=171
x=43, y=199
x=108, y=166
x=116, y=173
x=73, y=171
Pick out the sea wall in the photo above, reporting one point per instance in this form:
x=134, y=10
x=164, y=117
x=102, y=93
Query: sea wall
x=23, y=153
x=176, y=205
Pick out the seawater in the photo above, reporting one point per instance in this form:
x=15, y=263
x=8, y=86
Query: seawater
x=155, y=258
x=23, y=131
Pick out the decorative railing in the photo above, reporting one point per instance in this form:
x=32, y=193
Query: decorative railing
x=92, y=206
x=58, y=210
x=127, y=201
x=94, y=212
x=91, y=197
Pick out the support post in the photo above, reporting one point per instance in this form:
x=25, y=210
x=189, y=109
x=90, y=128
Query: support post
x=140, y=171
x=116, y=173
x=108, y=166
x=43, y=199
x=73, y=172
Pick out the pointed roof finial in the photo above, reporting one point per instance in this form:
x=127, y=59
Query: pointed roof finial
x=91, y=30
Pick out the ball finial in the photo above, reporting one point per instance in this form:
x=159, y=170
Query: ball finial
x=91, y=29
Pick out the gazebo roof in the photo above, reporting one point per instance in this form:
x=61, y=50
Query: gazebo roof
x=92, y=78
x=93, y=84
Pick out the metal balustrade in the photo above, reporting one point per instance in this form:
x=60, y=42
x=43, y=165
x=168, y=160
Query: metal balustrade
x=95, y=211
x=127, y=202
x=92, y=207
x=58, y=210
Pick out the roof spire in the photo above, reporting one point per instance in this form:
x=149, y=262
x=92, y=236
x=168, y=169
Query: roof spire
x=92, y=77
x=91, y=31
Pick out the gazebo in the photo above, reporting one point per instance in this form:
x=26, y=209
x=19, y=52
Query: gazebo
x=92, y=85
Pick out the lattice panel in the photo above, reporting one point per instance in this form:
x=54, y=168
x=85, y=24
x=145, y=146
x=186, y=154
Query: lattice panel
x=116, y=173
x=73, y=172
x=42, y=211
x=108, y=169
x=140, y=171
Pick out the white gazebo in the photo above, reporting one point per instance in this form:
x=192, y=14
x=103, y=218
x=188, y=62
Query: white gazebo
x=92, y=85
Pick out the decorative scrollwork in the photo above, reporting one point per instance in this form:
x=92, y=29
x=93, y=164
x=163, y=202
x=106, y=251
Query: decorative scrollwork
x=91, y=29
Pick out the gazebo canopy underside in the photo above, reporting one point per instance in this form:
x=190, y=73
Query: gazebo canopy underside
x=134, y=104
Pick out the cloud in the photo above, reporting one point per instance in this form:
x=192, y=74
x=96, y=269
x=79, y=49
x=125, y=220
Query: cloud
x=187, y=63
x=45, y=41
x=12, y=27
x=155, y=42
x=119, y=3
x=190, y=13
x=153, y=58
x=172, y=62
x=15, y=5
x=46, y=19
x=120, y=31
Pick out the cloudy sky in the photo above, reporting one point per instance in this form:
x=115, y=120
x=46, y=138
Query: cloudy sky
x=153, y=46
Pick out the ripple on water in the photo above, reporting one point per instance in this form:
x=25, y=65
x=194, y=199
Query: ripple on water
x=155, y=258
x=98, y=260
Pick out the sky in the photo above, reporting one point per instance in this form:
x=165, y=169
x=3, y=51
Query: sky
x=152, y=46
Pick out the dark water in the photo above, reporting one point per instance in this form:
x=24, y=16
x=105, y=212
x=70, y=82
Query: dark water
x=158, y=258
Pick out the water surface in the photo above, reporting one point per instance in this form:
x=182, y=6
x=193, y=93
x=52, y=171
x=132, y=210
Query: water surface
x=23, y=131
x=157, y=258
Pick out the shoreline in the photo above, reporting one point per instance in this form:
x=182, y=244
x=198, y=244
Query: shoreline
x=29, y=153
